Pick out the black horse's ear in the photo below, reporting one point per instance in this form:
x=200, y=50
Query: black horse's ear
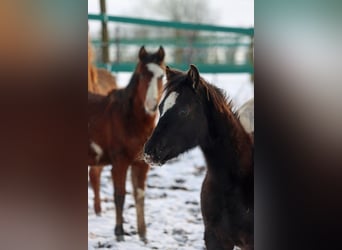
x=142, y=53
x=194, y=76
x=169, y=72
x=161, y=53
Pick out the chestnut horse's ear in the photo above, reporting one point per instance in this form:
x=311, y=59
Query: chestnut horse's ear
x=194, y=76
x=142, y=53
x=161, y=53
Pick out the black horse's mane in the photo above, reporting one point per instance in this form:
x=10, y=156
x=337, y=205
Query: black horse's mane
x=207, y=91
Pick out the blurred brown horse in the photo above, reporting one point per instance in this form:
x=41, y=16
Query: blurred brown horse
x=118, y=126
x=100, y=81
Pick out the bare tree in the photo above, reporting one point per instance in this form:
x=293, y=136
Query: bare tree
x=195, y=11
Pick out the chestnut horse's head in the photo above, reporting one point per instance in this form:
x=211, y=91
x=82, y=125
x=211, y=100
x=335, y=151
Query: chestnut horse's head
x=150, y=72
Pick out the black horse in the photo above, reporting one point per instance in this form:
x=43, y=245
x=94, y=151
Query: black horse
x=194, y=113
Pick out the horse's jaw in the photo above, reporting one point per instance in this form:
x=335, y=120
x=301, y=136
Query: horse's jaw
x=149, y=160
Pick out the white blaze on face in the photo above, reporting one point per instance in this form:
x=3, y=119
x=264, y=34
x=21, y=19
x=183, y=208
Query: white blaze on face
x=151, y=100
x=169, y=102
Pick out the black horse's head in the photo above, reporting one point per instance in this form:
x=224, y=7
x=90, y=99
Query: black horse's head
x=183, y=123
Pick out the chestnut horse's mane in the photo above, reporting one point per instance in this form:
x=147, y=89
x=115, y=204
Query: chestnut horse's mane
x=123, y=97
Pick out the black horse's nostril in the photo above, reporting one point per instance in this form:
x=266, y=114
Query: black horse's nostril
x=150, y=151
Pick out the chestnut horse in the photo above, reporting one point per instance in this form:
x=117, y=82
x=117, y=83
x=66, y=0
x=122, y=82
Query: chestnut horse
x=227, y=196
x=118, y=126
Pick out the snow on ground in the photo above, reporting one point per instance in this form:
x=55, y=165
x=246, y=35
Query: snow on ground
x=172, y=202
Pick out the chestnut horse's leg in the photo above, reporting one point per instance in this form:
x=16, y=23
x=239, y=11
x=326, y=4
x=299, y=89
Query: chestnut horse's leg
x=119, y=173
x=94, y=176
x=139, y=174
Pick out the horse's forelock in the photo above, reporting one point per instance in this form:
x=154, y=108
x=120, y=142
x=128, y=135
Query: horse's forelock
x=174, y=82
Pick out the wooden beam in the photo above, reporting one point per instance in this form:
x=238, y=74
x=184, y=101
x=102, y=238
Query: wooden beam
x=105, y=38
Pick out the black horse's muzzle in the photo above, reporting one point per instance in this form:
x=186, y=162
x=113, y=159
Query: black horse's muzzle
x=154, y=153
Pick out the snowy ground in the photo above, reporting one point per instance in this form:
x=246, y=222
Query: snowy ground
x=172, y=202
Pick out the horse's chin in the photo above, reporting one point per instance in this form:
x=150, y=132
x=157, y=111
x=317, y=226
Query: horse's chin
x=151, y=160
x=155, y=161
x=158, y=163
x=166, y=158
x=161, y=157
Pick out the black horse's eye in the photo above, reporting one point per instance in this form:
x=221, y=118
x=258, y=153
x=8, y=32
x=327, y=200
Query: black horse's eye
x=183, y=112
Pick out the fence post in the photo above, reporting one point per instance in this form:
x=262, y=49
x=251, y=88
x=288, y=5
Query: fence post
x=117, y=44
x=105, y=40
x=251, y=56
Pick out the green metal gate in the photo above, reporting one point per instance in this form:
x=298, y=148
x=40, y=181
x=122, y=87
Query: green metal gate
x=212, y=49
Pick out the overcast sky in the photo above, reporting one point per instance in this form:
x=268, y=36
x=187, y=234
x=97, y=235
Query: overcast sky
x=237, y=13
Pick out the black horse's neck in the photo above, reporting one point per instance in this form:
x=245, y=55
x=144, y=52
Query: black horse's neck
x=228, y=148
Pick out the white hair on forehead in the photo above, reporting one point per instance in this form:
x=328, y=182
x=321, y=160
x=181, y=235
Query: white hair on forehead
x=169, y=102
x=151, y=99
x=155, y=69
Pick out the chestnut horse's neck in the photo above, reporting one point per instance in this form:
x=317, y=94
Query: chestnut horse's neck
x=130, y=90
x=228, y=149
x=133, y=105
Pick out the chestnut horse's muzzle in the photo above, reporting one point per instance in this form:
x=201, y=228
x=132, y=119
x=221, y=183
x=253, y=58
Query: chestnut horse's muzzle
x=151, y=106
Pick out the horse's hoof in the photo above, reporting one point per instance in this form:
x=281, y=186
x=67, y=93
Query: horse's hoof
x=120, y=238
x=98, y=210
x=119, y=233
x=144, y=239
